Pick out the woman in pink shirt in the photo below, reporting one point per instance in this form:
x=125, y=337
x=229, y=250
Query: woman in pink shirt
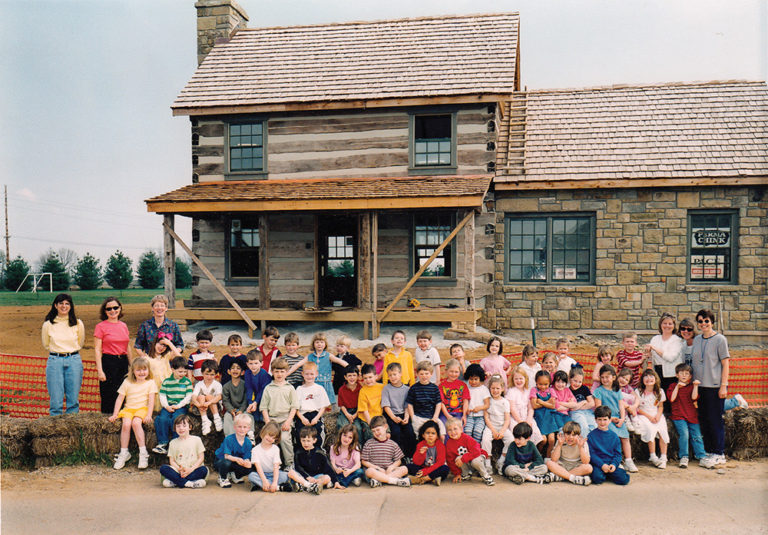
x=112, y=351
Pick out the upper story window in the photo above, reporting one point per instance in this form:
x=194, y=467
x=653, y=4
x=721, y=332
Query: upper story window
x=712, y=238
x=550, y=249
x=244, y=246
x=429, y=231
x=246, y=147
x=433, y=141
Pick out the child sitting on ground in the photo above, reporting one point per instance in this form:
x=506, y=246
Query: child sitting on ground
x=233, y=397
x=429, y=457
x=605, y=450
x=195, y=362
x=497, y=419
x=345, y=457
x=523, y=461
x=425, y=351
x=393, y=403
x=495, y=363
x=454, y=393
x=279, y=404
x=138, y=390
x=207, y=395
x=403, y=357
x=235, y=343
x=382, y=457
x=185, y=458
x=175, y=395
x=423, y=399
x=312, y=464
x=233, y=457
x=570, y=456
x=369, y=400
x=585, y=403
x=479, y=401
x=313, y=403
x=463, y=454
x=265, y=458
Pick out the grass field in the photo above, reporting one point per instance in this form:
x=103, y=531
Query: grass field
x=86, y=297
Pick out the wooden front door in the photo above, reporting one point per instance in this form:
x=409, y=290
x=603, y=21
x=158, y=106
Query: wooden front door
x=337, y=243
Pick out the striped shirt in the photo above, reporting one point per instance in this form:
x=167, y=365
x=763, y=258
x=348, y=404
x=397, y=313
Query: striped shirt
x=175, y=390
x=295, y=379
x=381, y=454
x=424, y=399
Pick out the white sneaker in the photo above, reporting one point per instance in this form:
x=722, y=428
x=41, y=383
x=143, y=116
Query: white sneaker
x=143, y=460
x=629, y=465
x=629, y=425
x=742, y=402
x=403, y=482
x=234, y=479
x=217, y=423
x=206, y=425
x=224, y=483
x=707, y=462
x=251, y=437
x=683, y=462
x=662, y=462
x=582, y=480
x=198, y=484
x=374, y=483
x=356, y=482
x=167, y=483
x=122, y=458
x=719, y=459
x=654, y=460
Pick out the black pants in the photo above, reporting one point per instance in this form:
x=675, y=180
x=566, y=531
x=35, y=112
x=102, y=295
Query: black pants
x=402, y=435
x=711, y=411
x=115, y=368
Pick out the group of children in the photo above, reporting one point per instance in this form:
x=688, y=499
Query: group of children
x=400, y=421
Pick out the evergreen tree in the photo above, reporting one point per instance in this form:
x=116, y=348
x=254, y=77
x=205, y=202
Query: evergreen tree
x=55, y=267
x=15, y=272
x=88, y=273
x=183, y=274
x=118, y=272
x=149, y=271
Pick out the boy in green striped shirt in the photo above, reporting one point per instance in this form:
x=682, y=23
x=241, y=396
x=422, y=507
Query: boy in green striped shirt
x=175, y=395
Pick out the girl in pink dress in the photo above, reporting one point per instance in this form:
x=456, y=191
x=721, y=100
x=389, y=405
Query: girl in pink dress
x=495, y=363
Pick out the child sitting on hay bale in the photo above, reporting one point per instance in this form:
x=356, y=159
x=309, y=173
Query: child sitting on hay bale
x=138, y=391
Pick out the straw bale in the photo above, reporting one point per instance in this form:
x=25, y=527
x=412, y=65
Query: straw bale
x=67, y=444
x=72, y=424
x=746, y=433
x=14, y=436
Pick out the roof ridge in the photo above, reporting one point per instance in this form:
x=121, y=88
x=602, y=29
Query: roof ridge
x=380, y=21
x=615, y=87
x=329, y=179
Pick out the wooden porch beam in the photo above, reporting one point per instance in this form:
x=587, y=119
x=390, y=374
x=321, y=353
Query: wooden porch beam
x=264, y=294
x=374, y=273
x=223, y=291
x=429, y=261
x=169, y=261
x=469, y=261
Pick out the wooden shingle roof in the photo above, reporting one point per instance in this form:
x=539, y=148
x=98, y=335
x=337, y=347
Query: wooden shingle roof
x=701, y=131
x=325, y=194
x=262, y=68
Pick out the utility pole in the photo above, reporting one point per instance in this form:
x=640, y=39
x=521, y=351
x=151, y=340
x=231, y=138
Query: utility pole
x=7, y=236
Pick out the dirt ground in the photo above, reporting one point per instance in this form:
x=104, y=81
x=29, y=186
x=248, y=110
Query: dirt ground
x=101, y=500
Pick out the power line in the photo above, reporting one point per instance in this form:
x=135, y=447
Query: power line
x=80, y=217
x=62, y=204
x=83, y=243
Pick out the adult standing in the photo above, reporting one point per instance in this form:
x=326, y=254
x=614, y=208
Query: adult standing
x=157, y=323
x=111, y=347
x=687, y=332
x=63, y=337
x=711, y=368
x=666, y=349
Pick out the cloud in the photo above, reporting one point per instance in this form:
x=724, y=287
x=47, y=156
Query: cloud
x=27, y=194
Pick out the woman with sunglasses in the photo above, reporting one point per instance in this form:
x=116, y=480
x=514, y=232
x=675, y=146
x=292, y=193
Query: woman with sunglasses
x=711, y=367
x=666, y=349
x=687, y=331
x=63, y=337
x=112, y=351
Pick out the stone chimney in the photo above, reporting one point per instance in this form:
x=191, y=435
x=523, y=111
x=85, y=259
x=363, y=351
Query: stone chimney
x=217, y=22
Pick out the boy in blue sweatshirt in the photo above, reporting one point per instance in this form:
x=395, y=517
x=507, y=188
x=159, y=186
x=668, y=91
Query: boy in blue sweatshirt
x=605, y=450
x=256, y=380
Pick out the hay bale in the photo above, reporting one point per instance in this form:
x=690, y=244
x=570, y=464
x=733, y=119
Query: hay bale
x=746, y=433
x=72, y=424
x=14, y=437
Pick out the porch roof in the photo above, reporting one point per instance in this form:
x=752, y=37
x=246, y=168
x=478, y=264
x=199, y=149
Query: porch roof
x=386, y=193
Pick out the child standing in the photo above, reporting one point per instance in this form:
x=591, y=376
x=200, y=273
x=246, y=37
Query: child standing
x=402, y=357
x=279, y=404
x=423, y=399
x=382, y=457
x=379, y=351
x=348, y=400
x=185, y=458
x=630, y=357
x=138, y=391
x=268, y=348
x=520, y=408
x=544, y=403
x=233, y=397
x=369, y=400
x=345, y=457
x=564, y=399
x=523, y=461
x=312, y=464
x=323, y=359
x=605, y=450
x=294, y=360
x=530, y=363
x=497, y=420
x=195, y=362
x=175, y=395
x=604, y=356
x=457, y=352
x=454, y=393
x=235, y=343
x=585, y=403
x=570, y=456
x=393, y=403
x=494, y=363
x=685, y=418
x=313, y=402
x=233, y=461
x=429, y=458
x=265, y=457
x=548, y=364
x=256, y=380
x=425, y=351
x=608, y=394
x=479, y=401
x=650, y=417
x=207, y=395
x=564, y=360
x=464, y=454
x=342, y=352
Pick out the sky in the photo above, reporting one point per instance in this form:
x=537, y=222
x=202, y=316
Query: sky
x=86, y=88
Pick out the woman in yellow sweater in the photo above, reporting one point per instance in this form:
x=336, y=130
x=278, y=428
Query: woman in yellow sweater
x=63, y=337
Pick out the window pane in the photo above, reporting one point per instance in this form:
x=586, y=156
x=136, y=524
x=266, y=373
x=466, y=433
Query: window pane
x=515, y=226
x=429, y=232
x=246, y=147
x=444, y=159
x=515, y=272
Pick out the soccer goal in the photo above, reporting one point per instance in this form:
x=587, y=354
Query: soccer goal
x=37, y=280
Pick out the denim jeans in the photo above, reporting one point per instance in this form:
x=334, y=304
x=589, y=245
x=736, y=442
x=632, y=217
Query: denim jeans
x=225, y=466
x=586, y=420
x=345, y=481
x=619, y=476
x=63, y=377
x=253, y=477
x=730, y=403
x=167, y=471
x=689, y=432
x=164, y=424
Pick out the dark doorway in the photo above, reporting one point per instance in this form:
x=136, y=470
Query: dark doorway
x=337, y=242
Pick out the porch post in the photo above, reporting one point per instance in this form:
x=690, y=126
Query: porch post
x=364, y=271
x=169, y=260
x=374, y=273
x=264, y=294
x=469, y=261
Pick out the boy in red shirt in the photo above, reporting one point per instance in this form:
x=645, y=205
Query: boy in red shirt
x=682, y=395
x=631, y=357
x=463, y=454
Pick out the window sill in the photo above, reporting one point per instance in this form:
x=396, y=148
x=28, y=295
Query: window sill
x=522, y=287
x=432, y=170
x=442, y=281
x=241, y=282
x=711, y=287
x=247, y=175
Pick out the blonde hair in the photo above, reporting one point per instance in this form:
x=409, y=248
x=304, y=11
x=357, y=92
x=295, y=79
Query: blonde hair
x=309, y=366
x=158, y=297
x=496, y=379
x=425, y=365
x=343, y=340
x=517, y=370
x=548, y=356
x=450, y=422
x=452, y=363
x=319, y=336
x=139, y=363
